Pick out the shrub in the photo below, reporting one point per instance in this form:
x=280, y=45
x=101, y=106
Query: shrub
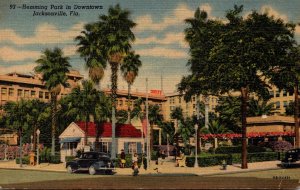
x=55, y=159
x=69, y=158
x=255, y=157
x=280, y=146
x=209, y=160
x=25, y=160
x=238, y=149
x=45, y=155
x=128, y=159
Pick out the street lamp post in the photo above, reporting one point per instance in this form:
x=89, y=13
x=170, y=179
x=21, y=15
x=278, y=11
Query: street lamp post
x=196, y=147
x=31, y=145
x=38, y=132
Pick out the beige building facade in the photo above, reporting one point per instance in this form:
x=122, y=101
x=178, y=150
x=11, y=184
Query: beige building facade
x=16, y=86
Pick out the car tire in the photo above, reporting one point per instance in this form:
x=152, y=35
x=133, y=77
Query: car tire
x=70, y=169
x=92, y=170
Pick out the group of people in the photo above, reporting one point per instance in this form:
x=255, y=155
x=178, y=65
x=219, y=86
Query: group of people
x=134, y=167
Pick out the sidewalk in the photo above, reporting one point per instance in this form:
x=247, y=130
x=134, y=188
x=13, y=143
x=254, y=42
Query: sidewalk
x=167, y=168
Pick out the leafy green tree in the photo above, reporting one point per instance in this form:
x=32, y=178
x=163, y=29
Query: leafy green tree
x=122, y=116
x=287, y=77
x=168, y=130
x=53, y=66
x=215, y=127
x=259, y=107
x=239, y=58
x=229, y=110
x=130, y=70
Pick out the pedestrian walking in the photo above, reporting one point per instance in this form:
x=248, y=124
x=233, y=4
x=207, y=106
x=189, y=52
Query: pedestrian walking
x=123, y=158
x=135, y=166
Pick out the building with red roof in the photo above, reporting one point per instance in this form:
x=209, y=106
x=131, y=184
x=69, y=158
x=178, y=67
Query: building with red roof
x=99, y=138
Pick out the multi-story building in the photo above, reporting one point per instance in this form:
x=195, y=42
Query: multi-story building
x=15, y=86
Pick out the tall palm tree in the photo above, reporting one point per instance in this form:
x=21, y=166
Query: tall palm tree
x=115, y=31
x=53, y=66
x=215, y=127
x=91, y=49
x=130, y=70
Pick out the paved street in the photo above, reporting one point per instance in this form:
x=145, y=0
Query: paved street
x=58, y=180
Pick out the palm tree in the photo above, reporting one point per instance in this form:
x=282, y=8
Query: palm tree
x=91, y=49
x=130, y=69
x=155, y=117
x=116, y=36
x=215, y=127
x=260, y=107
x=53, y=66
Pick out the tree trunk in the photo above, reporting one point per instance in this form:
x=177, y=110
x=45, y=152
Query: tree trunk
x=114, y=86
x=297, y=144
x=129, y=104
x=244, y=92
x=86, y=125
x=53, y=121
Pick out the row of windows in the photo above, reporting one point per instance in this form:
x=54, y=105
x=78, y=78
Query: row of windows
x=277, y=104
x=24, y=93
x=277, y=93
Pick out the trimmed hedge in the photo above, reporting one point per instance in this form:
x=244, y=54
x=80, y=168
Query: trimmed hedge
x=25, y=160
x=217, y=159
x=55, y=159
x=209, y=160
x=69, y=158
x=238, y=149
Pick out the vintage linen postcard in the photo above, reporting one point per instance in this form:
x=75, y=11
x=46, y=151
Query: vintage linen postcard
x=146, y=94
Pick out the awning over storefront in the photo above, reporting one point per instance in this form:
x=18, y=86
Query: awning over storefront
x=70, y=139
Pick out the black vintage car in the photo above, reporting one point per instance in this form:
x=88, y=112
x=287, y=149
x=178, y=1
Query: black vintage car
x=291, y=157
x=92, y=162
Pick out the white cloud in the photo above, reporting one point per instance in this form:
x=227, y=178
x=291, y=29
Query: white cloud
x=178, y=15
x=69, y=50
x=44, y=34
x=170, y=38
x=163, y=52
x=271, y=11
x=25, y=68
x=10, y=54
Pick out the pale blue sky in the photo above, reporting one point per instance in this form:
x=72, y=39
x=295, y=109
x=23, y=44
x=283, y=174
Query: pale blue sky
x=159, y=33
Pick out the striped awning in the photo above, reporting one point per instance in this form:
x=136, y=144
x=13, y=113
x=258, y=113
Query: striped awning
x=70, y=139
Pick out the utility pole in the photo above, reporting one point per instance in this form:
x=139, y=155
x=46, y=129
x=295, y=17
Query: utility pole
x=148, y=130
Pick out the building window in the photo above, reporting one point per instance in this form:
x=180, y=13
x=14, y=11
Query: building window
x=171, y=108
x=284, y=93
x=291, y=93
x=271, y=94
x=32, y=93
x=26, y=93
x=41, y=94
x=120, y=102
x=132, y=148
x=285, y=104
x=46, y=95
x=277, y=105
x=104, y=146
x=3, y=91
x=194, y=106
x=194, y=98
x=11, y=92
x=20, y=92
x=179, y=99
x=277, y=93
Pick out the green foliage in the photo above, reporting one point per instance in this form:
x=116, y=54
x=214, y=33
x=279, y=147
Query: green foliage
x=258, y=107
x=55, y=159
x=69, y=158
x=238, y=149
x=25, y=160
x=217, y=159
x=45, y=155
x=177, y=114
x=121, y=116
x=208, y=160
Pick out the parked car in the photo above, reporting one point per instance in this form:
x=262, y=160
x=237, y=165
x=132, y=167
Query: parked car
x=291, y=157
x=91, y=162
